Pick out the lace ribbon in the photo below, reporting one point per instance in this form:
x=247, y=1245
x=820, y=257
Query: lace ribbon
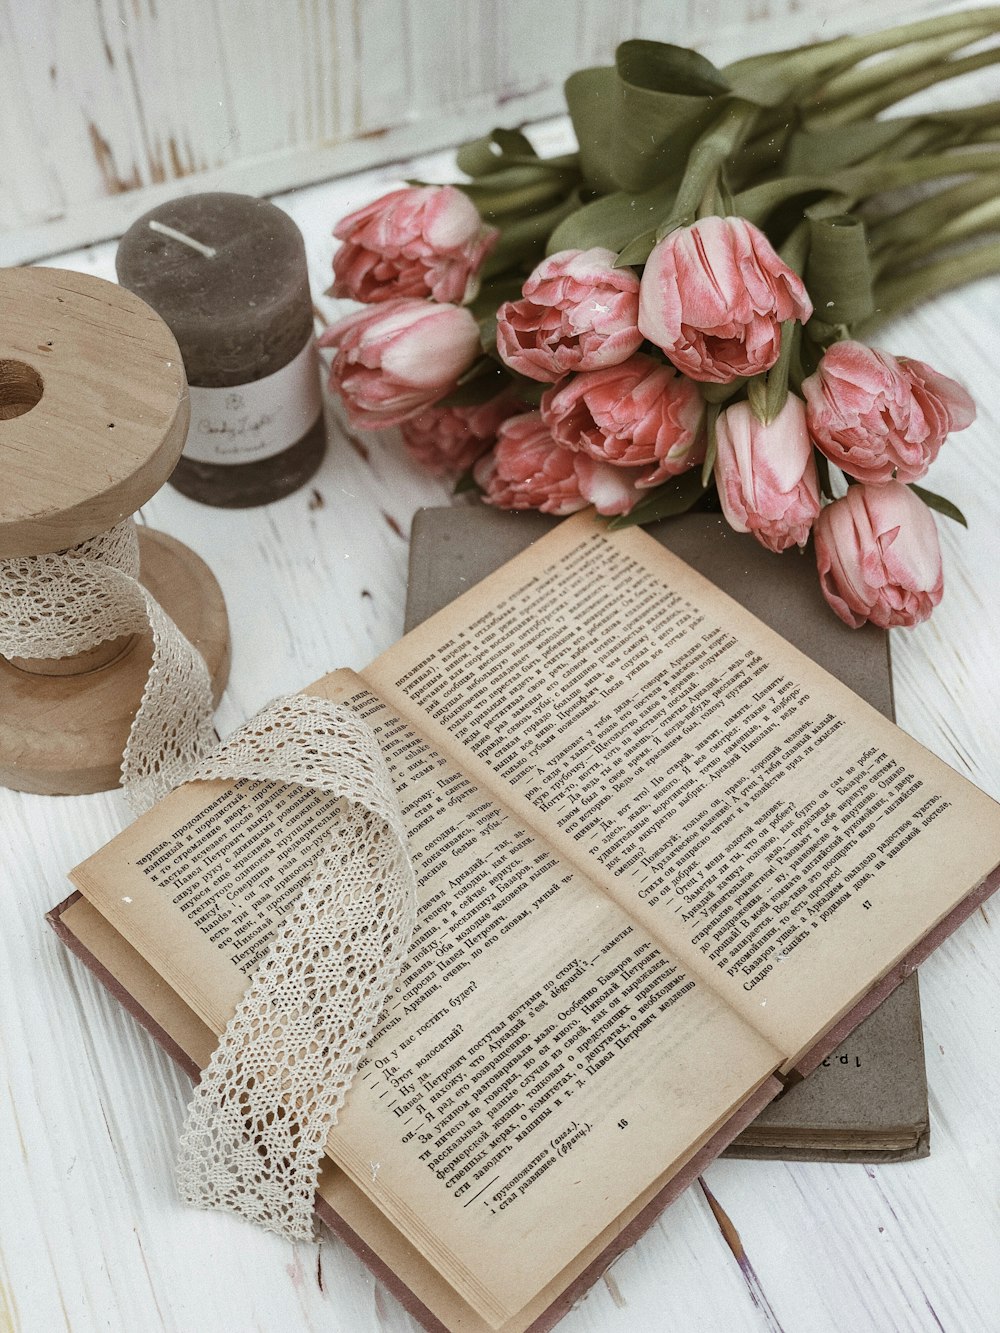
x=258, y=1123
x=66, y=602
x=259, y=1120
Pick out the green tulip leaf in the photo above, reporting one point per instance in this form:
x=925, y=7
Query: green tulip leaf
x=518, y=189
x=841, y=146
x=522, y=241
x=675, y=496
x=512, y=179
x=529, y=391
x=612, y=222
x=659, y=66
x=466, y=483
x=838, y=271
x=939, y=503
x=486, y=305
x=759, y=79
x=495, y=151
x=721, y=393
x=513, y=141
x=831, y=205
x=712, y=446
x=776, y=76
x=663, y=98
x=483, y=380
x=757, y=398
x=589, y=95
x=493, y=293
x=768, y=393
x=782, y=76
x=758, y=202
x=674, y=223
x=823, y=471
x=637, y=251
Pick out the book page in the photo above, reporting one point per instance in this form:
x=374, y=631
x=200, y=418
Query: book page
x=391, y=1257
x=542, y=1063
x=778, y=835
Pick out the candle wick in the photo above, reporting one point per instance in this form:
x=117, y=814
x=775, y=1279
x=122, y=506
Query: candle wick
x=207, y=250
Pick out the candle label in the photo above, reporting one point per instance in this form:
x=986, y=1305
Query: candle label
x=248, y=422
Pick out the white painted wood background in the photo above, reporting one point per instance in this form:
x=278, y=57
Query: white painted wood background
x=92, y=1237
x=108, y=107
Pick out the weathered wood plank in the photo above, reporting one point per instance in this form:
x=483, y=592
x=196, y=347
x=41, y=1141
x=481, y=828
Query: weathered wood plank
x=107, y=108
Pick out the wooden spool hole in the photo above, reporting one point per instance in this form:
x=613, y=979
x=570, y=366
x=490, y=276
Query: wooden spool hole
x=21, y=389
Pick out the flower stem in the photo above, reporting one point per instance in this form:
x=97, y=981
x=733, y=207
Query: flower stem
x=925, y=218
x=721, y=393
x=864, y=180
x=894, y=295
x=795, y=250
x=796, y=72
x=856, y=183
x=768, y=392
x=985, y=217
x=968, y=116
x=522, y=238
x=904, y=33
x=708, y=155
x=861, y=79
x=891, y=91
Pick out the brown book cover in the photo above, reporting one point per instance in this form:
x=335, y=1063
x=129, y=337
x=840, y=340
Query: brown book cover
x=867, y=1101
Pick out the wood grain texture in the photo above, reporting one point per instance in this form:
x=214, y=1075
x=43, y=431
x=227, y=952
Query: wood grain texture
x=109, y=107
x=92, y=1237
x=97, y=407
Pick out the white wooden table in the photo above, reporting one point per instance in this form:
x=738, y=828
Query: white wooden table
x=92, y=1236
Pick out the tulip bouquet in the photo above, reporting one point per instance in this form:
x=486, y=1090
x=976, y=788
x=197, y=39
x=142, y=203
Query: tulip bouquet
x=682, y=308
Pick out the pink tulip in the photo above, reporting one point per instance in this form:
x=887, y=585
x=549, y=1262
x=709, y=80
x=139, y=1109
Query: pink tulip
x=641, y=414
x=419, y=241
x=878, y=556
x=611, y=490
x=448, y=440
x=395, y=360
x=579, y=312
x=529, y=470
x=878, y=416
x=766, y=475
x=714, y=296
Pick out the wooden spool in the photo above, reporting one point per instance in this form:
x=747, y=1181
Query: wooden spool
x=93, y=417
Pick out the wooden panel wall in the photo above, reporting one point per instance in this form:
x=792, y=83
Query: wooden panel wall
x=108, y=106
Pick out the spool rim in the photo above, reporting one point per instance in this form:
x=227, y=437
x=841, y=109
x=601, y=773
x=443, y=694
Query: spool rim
x=110, y=422
x=65, y=735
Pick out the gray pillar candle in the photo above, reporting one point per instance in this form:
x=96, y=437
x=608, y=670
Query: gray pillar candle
x=227, y=273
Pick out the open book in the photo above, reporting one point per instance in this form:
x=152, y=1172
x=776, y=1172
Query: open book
x=868, y=1099
x=665, y=863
